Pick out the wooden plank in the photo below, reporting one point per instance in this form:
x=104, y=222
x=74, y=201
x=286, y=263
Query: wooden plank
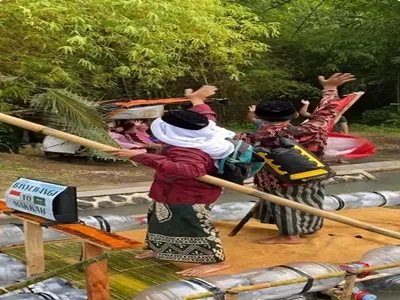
x=106, y=240
x=34, y=248
x=96, y=274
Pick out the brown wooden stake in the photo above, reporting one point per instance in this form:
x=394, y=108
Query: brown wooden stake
x=34, y=248
x=231, y=296
x=96, y=274
x=246, y=218
x=348, y=287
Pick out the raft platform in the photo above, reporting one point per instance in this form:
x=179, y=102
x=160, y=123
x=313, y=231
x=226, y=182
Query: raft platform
x=335, y=243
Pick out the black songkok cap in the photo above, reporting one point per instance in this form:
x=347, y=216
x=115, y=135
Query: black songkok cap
x=276, y=110
x=185, y=119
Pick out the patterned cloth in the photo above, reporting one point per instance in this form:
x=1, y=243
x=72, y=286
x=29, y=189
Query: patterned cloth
x=312, y=135
x=291, y=221
x=183, y=233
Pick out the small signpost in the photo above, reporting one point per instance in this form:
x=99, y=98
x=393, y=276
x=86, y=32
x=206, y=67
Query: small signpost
x=47, y=200
x=41, y=204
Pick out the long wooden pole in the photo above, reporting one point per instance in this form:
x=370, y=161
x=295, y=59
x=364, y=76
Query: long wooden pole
x=267, y=285
x=209, y=179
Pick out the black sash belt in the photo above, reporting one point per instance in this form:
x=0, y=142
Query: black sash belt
x=340, y=200
x=104, y=225
x=46, y=296
x=218, y=294
x=310, y=280
x=385, y=201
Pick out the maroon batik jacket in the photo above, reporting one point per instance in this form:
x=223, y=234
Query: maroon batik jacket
x=177, y=169
x=312, y=135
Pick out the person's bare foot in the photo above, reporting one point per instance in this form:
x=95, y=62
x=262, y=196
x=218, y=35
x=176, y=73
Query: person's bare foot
x=341, y=161
x=204, y=269
x=146, y=254
x=280, y=239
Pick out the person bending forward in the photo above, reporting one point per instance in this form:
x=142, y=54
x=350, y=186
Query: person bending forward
x=179, y=224
x=312, y=135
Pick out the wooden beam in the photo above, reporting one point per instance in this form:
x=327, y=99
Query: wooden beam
x=96, y=274
x=34, y=248
x=51, y=274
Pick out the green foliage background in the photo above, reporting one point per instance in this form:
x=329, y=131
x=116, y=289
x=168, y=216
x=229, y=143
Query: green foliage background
x=250, y=49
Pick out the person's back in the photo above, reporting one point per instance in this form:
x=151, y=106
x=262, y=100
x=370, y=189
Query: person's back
x=176, y=172
x=313, y=136
x=179, y=224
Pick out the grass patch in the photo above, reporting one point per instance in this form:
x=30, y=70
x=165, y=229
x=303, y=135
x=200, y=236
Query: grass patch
x=381, y=130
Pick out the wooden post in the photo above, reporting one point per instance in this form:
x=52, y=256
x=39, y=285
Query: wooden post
x=34, y=248
x=349, y=286
x=96, y=274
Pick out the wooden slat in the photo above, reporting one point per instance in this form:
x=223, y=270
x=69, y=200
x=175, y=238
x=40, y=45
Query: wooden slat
x=3, y=207
x=105, y=240
x=34, y=248
x=96, y=274
x=97, y=237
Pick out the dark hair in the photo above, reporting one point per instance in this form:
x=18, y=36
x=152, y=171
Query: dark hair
x=186, y=119
x=276, y=110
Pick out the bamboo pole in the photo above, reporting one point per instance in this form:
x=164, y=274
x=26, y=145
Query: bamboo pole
x=50, y=274
x=208, y=179
x=291, y=281
x=349, y=286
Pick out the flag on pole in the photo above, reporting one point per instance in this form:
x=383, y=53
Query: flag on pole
x=347, y=146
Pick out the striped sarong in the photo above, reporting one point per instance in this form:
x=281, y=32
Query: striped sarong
x=290, y=221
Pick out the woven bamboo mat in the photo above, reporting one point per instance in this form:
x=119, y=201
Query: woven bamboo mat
x=128, y=276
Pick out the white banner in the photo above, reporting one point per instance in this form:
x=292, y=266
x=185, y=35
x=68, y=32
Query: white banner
x=33, y=197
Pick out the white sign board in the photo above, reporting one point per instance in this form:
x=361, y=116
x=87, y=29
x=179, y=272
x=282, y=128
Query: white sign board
x=33, y=197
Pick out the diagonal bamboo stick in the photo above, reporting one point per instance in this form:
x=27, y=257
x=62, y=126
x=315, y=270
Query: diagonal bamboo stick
x=266, y=285
x=50, y=274
x=209, y=179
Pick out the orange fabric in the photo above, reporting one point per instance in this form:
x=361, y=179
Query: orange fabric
x=152, y=102
x=335, y=243
x=109, y=241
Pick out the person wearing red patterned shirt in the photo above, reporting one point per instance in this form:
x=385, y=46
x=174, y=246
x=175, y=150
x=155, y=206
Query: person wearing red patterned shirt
x=312, y=135
x=179, y=224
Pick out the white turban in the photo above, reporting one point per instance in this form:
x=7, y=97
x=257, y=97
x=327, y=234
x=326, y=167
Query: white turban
x=210, y=139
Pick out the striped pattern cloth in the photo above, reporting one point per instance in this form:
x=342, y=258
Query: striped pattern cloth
x=290, y=221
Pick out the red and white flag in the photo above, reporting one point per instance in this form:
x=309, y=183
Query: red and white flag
x=13, y=195
x=347, y=146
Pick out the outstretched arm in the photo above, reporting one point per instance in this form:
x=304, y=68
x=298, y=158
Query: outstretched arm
x=251, y=114
x=304, y=109
x=177, y=164
x=324, y=115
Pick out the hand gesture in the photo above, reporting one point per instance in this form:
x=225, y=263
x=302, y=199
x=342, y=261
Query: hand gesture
x=137, y=123
x=252, y=108
x=336, y=80
x=305, y=102
x=202, y=93
x=124, y=153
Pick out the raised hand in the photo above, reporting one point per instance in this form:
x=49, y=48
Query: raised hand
x=137, y=123
x=201, y=94
x=252, y=108
x=336, y=80
x=305, y=102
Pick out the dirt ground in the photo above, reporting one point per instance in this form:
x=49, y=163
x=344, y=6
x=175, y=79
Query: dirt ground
x=69, y=171
x=79, y=172
x=383, y=142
